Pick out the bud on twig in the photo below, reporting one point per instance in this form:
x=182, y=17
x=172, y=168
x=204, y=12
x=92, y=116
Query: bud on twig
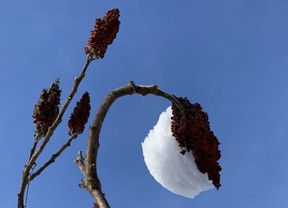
x=192, y=131
x=103, y=34
x=80, y=115
x=47, y=108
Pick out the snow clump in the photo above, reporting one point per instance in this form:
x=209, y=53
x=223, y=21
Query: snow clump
x=174, y=171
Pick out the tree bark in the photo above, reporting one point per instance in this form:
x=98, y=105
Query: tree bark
x=33, y=156
x=89, y=166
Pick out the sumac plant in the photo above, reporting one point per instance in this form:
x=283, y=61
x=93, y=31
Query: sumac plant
x=189, y=124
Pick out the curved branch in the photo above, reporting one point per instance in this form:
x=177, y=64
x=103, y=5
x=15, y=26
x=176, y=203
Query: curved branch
x=91, y=180
x=32, y=159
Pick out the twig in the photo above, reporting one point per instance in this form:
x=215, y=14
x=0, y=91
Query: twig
x=49, y=133
x=80, y=162
x=54, y=156
x=91, y=180
x=28, y=183
x=36, y=140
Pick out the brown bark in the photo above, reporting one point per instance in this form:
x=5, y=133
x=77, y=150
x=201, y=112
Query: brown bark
x=33, y=157
x=88, y=166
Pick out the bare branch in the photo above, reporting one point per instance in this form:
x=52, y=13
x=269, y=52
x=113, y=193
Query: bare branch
x=36, y=140
x=91, y=180
x=49, y=133
x=54, y=156
x=80, y=162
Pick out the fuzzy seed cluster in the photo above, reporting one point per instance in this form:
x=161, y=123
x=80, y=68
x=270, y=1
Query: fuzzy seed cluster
x=47, y=108
x=80, y=115
x=192, y=131
x=103, y=34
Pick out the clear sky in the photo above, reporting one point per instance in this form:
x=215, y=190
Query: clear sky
x=229, y=55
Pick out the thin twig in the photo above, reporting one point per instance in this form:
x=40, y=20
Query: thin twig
x=49, y=133
x=28, y=183
x=80, y=162
x=91, y=180
x=36, y=140
x=54, y=156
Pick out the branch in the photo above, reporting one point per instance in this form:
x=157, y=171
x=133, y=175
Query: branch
x=80, y=162
x=54, y=156
x=36, y=140
x=49, y=133
x=91, y=180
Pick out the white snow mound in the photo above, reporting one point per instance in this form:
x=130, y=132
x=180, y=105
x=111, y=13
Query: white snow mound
x=176, y=172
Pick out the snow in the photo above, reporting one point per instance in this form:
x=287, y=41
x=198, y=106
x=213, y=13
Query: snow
x=176, y=172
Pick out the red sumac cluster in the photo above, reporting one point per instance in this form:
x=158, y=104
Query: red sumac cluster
x=192, y=131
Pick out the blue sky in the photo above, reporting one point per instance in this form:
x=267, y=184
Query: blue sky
x=230, y=56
